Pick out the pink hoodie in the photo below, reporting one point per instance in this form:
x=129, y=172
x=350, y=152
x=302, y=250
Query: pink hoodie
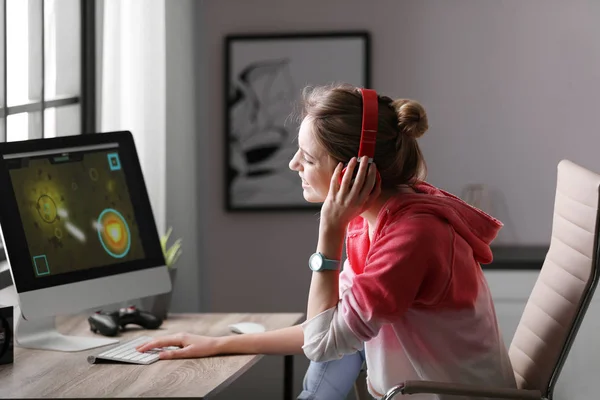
x=416, y=297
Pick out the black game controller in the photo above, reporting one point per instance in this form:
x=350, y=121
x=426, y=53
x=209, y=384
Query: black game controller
x=103, y=323
x=109, y=324
x=131, y=315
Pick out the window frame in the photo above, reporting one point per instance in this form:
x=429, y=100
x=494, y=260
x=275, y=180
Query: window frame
x=87, y=97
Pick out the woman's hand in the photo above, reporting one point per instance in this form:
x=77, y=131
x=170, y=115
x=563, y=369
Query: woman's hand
x=191, y=346
x=347, y=200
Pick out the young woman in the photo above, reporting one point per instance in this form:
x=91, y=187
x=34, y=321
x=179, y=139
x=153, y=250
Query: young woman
x=411, y=300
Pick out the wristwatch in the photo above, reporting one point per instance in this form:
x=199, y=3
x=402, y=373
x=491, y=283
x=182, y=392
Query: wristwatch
x=318, y=262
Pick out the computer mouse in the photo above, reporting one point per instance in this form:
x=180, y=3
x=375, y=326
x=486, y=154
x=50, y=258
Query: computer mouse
x=246, y=327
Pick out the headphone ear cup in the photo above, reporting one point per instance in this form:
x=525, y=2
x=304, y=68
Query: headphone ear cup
x=355, y=171
x=342, y=174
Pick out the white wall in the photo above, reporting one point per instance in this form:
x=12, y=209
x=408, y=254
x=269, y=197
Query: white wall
x=511, y=88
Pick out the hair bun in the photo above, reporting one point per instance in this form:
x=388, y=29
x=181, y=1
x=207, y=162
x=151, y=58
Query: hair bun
x=412, y=118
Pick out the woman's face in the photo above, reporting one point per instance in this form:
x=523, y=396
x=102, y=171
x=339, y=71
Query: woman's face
x=313, y=164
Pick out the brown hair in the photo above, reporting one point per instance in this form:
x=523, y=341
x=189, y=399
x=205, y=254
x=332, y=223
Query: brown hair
x=336, y=115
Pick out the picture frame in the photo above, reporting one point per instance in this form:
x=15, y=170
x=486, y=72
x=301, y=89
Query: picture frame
x=263, y=81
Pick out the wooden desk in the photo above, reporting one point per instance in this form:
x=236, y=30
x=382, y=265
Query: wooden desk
x=49, y=374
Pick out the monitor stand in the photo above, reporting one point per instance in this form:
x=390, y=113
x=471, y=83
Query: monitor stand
x=42, y=334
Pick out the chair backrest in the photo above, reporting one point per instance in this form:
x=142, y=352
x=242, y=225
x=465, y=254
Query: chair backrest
x=565, y=285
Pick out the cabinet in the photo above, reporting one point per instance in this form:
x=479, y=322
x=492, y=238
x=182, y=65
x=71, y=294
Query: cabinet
x=510, y=290
x=517, y=257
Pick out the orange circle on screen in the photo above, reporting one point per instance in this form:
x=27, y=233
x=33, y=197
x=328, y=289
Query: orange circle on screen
x=114, y=233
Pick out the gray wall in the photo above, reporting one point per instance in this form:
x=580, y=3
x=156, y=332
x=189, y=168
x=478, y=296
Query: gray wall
x=184, y=205
x=511, y=88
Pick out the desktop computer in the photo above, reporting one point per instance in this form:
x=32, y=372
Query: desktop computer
x=78, y=231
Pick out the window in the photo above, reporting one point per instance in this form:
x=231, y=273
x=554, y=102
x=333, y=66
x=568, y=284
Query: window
x=47, y=72
x=47, y=69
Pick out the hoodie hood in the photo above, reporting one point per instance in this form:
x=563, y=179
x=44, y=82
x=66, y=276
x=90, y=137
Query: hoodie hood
x=476, y=227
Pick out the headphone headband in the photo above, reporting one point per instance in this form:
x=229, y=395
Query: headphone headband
x=370, y=116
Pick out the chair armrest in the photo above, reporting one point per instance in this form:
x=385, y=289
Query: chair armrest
x=459, y=389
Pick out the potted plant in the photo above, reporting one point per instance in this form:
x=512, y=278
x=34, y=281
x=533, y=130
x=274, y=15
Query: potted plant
x=159, y=305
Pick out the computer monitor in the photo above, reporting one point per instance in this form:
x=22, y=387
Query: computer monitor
x=78, y=231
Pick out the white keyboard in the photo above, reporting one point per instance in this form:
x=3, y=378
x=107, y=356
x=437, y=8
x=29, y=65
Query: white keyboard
x=126, y=352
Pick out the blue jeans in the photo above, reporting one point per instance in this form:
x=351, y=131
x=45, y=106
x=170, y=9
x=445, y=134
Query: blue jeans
x=332, y=380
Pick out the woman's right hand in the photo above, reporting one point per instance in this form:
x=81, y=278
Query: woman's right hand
x=190, y=346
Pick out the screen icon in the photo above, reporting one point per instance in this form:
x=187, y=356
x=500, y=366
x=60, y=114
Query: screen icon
x=114, y=162
x=41, y=265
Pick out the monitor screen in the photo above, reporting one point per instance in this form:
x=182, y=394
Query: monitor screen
x=75, y=209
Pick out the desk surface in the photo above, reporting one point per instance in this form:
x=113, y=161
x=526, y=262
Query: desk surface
x=48, y=374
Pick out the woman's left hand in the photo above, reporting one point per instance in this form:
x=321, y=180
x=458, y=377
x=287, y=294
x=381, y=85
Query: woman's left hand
x=347, y=200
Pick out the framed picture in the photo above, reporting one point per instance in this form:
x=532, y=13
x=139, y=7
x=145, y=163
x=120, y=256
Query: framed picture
x=264, y=78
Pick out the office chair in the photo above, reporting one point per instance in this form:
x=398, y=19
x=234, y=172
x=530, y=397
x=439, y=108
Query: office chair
x=558, y=301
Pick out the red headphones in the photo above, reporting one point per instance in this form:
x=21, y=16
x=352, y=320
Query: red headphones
x=368, y=133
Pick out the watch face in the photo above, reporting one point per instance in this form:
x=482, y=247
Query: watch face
x=316, y=262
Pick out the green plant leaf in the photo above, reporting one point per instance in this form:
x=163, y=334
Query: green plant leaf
x=164, y=239
x=172, y=253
